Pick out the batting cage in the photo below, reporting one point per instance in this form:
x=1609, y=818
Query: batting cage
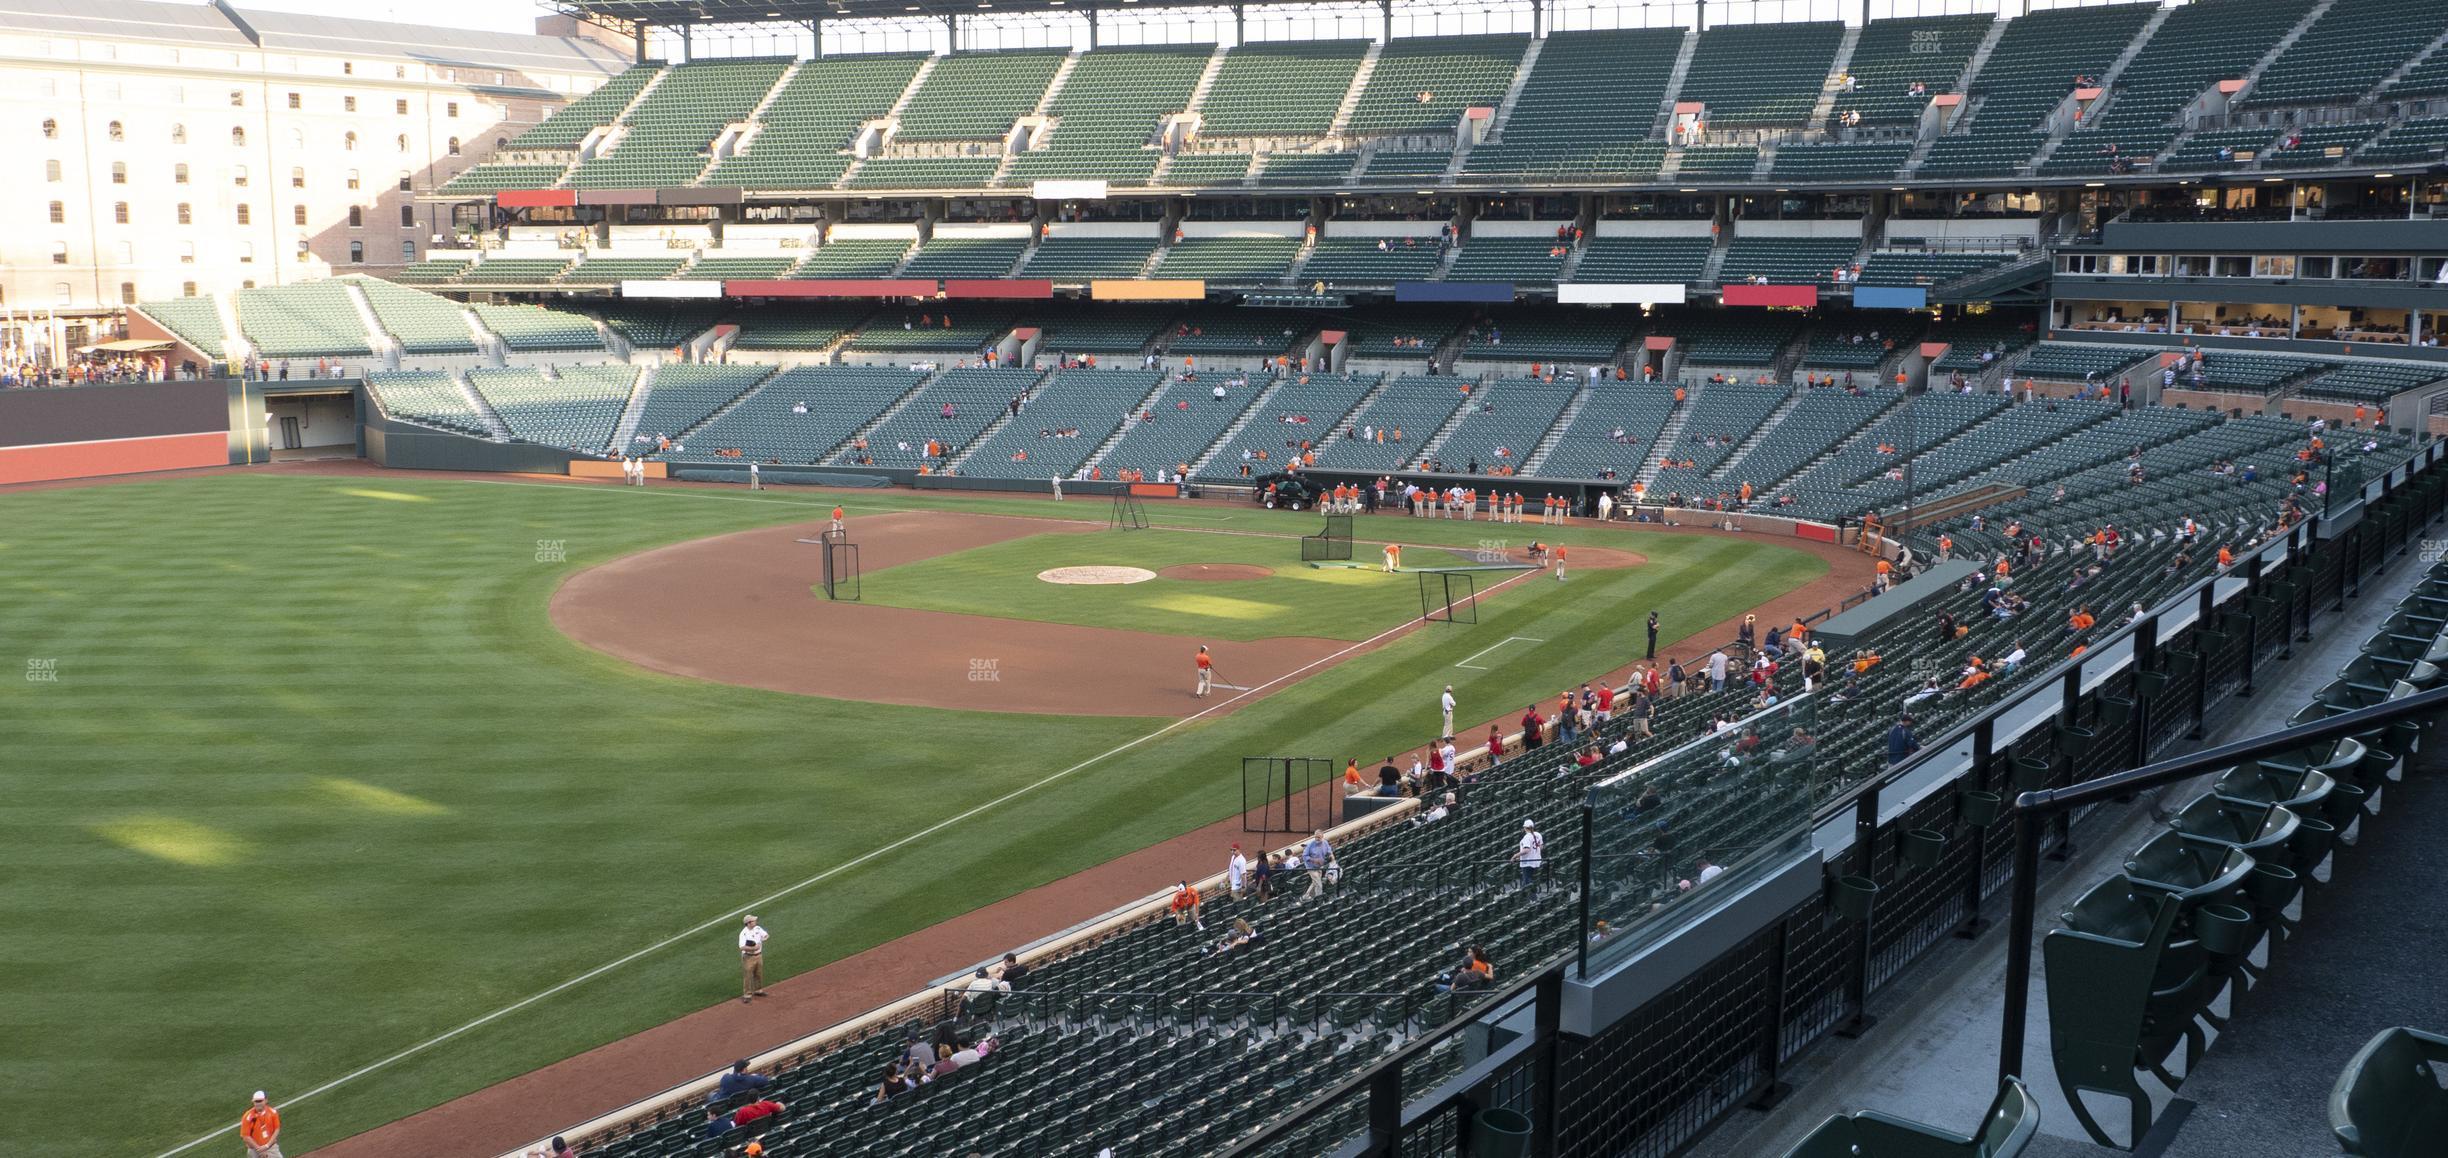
x=841, y=566
x=1127, y=514
x=1288, y=793
x=1334, y=542
x=1448, y=597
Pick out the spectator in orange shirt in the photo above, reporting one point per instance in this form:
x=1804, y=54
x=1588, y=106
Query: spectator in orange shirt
x=1185, y=906
x=260, y=1127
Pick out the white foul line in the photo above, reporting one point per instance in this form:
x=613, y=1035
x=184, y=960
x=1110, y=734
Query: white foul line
x=845, y=866
x=1466, y=662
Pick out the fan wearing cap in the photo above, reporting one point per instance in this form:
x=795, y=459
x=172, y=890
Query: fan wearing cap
x=1531, y=854
x=260, y=1127
x=752, y=958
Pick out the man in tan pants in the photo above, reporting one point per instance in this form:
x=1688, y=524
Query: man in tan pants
x=752, y=958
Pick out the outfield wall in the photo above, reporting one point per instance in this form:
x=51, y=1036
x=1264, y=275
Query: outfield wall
x=130, y=428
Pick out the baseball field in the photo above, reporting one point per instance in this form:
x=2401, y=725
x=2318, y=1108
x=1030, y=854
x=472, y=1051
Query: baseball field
x=375, y=789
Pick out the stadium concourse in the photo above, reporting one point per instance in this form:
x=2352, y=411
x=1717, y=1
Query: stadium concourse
x=2094, y=347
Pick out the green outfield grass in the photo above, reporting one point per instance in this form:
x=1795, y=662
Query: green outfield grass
x=300, y=776
x=1331, y=603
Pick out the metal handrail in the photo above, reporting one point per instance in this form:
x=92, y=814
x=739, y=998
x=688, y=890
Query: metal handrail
x=2032, y=809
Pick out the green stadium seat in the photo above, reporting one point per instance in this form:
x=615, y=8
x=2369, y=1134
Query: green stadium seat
x=1340, y=261
x=1788, y=260
x=966, y=257
x=196, y=321
x=977, y=96
x=2388, y=1101
x=855, y=257
x=426, y=396
x=768, y=426
x=2345, y=53
x=576, y=410
x=524, y=327
x=803, y=136
x=1586, y=109
x=1205, y=170
x=1507, y=259
x=1453, y=73
x=1757, y=76
x=493, y=177
x=1230, y=260
x=422, y=322
x=1107, y=114
x=567, y=127
x=310, y=320
x=1643, y=260
x=1077, y=258
x=668, y=134
x=1280, y=88
x=2006, y=1131
x=1893, y=55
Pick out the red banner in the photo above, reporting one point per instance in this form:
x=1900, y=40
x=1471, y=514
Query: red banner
x=533, y=198
x=832, y=288
x=1804, y=296
x=1030, y=288
x=1820, y=531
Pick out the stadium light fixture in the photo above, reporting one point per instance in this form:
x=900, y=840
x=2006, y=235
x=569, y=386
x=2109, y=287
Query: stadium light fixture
x=2382, y=176
x=2095, y=184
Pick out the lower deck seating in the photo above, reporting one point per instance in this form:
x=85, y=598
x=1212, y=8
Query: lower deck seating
x=802, y=415
x=427, y=396
x=1230, y=260
x=575, y=407
x=950, y=411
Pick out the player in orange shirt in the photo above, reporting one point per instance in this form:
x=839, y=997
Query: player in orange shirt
x=1393, y=557
x=1559, y=558
x=1206, y=671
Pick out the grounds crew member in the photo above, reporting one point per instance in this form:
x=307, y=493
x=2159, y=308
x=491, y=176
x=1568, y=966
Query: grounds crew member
x=260, y=1127
x=1206, y=670
x=752, y=958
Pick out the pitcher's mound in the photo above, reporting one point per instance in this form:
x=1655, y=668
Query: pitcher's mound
x=1216, y=572
x=1096, y=576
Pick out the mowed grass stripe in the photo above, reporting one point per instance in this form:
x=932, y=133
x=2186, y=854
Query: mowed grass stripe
x=195, y=909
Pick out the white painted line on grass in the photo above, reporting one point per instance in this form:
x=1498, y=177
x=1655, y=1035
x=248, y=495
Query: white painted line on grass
x=1493, y=646
x=854, y=862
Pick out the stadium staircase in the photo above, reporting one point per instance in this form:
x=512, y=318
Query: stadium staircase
x=233, y=340
x=1341, y=125
x=2252, y=76
x=385, y=347
x=1343, y=421
x=1843, y=447
x=1096, y=457
x=2380, y=91
x=489, y=345
x=1555, y=434
x=898, y=405
x=1764, y=431
x=1710, y=273
x=1828, y=92
x=2107, y=84
x=891, y=118
x=1513, y=92
x=1257, y=405
x=683, y=436
x=1668, y=435
x=497, y=429
x=741, y=135
x=1453, y=422
x=1963, y=88
x=1191, y=108
x=606, y=137
x=1045, y=103
x=1664, y=124
x=626, y=426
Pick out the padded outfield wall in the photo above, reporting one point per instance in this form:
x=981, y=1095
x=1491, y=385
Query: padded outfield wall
x=131, y=428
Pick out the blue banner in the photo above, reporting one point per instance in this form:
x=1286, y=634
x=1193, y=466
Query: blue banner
x=1453, y=291
x=1884, y=297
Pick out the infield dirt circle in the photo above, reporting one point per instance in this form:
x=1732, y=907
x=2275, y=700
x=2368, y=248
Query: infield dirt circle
x=1098, y=576
x=1216, y=572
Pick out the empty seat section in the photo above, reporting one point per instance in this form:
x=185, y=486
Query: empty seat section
x=1232, y=260
x=1761, y=75
x=1612, y=434
x=427, y=396
x=803, y=136
x=1643, y=260
x=525, y=327
x=1586, y=108
x=1074, y=258
x=1503, y=422
x=433, y=270
x=1204, y=170
x=2328, y=144
x=742, y=268
x=1303, y=408
x=1244, y=333
x=1893, y=55
x=2069, y=361
x=966, y=257
x=2026, y=77
x=514, y=271
x=2197, y=46
x=1189, y=419
x=1391, y=167
x=1713, y=339
x=665, y=139
x=576, y=410
x=1105, y=332
x=2220, y=149
x=1372, y=260
x=1929, y=266
x=951, y=410
x=1722, y=415
x=422, y=322
x=1280, y=88
x=1866, y=162
x=1788, y=260
x=1582, y=339
x=1718, y=161
x=2253, y=373
x=2347, y=51
x=2424, y=139
x=658, y=327
x=1969, y=338
x=854, y=257
x=977, y=96
x=796, y=326
x=2367, y=382
x=611, y=271
x=494, y=177
x=309, y=320
x=1821, y=419
x=961, y=329
x=1107, y=114
x=1034, y=444
x=2086, y=154
x=1408, y=413
x=196, y=321
x=801, y=415
x=682, y=394
x=1307, y=168
x=971, y=170
x=567, y=127
x=1511, y=259
x=1423, y=83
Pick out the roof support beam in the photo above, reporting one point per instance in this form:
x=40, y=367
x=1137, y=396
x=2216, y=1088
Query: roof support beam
x=815, y=27
x=1092, y=25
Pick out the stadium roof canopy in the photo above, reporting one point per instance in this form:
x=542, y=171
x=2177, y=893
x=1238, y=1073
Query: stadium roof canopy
x=673, y=13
